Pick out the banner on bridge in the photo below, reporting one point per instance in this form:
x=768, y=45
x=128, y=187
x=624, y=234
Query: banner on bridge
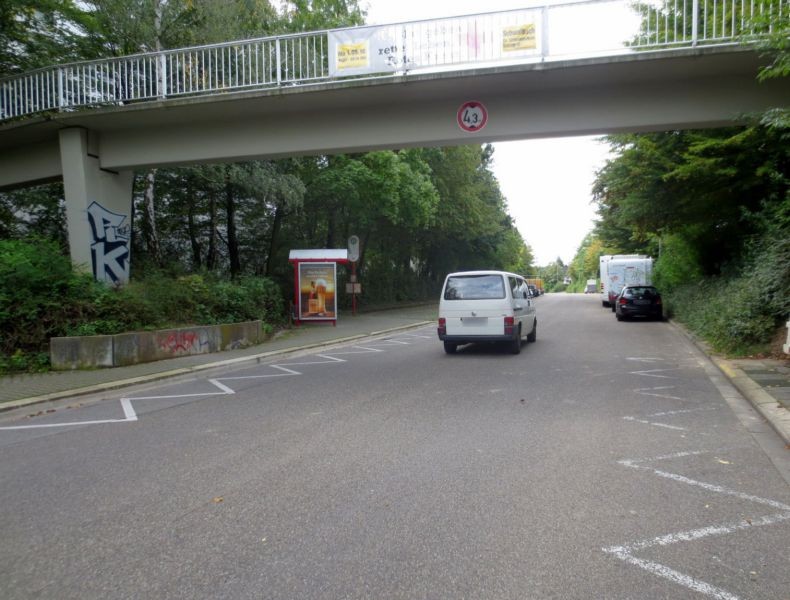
x=439, y=43
x=365, y=50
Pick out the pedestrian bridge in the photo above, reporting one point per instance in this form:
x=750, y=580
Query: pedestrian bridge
x=592, y=67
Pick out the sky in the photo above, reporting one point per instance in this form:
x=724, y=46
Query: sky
x=547, y=182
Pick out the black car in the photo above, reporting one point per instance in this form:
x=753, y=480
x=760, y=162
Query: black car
x=639, y=300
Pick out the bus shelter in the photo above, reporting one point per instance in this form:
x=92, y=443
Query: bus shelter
x=315, y=283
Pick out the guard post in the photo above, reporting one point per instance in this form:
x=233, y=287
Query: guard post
x=315, y=283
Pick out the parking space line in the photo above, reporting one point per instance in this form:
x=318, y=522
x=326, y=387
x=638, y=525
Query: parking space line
x=672, y=575
x=655, y=423
x=645, y=392
x=70, y=424
x=285, y=369
x=626, y=552
x=682, y=411
x=667, y=413
x=652, y=373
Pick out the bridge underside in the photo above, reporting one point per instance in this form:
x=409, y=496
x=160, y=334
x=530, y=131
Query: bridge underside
x=96, y=151
x=650, y=91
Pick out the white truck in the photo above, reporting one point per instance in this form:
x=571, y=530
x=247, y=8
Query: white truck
x=618, y=270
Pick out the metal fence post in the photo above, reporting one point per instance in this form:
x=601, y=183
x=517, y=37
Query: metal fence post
x=162, y=63
x=544, y=31
x=694, y=22
x=61, y=99
x=277, y=57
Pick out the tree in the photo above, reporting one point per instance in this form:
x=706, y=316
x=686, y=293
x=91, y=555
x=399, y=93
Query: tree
x=702, y=183
x=314, y=15
x=39, y=33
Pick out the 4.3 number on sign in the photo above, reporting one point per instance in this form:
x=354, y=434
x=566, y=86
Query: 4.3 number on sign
x=472, y=116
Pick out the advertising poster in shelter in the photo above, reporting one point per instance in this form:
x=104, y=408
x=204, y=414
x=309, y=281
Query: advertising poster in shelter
x=317, y=297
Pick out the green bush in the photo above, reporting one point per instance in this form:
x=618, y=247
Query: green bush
x=42, y=297
x=39, y=294
x=677, y=265
x=738, y=315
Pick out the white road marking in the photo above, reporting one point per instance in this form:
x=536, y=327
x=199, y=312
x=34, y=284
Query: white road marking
x=721, y=489
x=70, y=424
x=655, y=424
x=626, y=552
x=667, y=413
x=701, y=533
x=128, y=410
x=683, y=411
x=649, y=392
x=130, y=414
x=652, y=373
x=672, y=575
x=221, y=386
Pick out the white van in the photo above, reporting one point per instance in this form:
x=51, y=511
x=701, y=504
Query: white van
x=486, y=306
x=627, y=270
x=614, y=261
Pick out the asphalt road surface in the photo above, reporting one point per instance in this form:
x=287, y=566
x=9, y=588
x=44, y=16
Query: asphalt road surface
x=607, y=460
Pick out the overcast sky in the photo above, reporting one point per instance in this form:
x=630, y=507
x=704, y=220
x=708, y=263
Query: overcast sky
x=547, y=182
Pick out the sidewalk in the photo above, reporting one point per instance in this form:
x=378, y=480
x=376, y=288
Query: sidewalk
x=765, y=383
x=22, y=390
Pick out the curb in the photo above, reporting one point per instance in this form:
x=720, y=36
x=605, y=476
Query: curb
x=121, y=383
x=765, y=404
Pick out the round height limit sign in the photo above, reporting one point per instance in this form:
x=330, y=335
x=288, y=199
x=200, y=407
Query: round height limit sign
x=472, y=116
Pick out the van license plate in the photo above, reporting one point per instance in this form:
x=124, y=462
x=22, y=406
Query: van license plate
x=474, y=321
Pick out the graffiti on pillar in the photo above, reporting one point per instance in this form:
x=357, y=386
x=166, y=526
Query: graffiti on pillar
x=110, y=244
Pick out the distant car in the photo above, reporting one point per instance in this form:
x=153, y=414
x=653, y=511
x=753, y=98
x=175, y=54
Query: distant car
x=639, y=301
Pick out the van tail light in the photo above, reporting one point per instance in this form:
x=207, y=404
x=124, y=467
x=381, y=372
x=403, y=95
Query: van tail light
x=442, y=330
x=509, y=323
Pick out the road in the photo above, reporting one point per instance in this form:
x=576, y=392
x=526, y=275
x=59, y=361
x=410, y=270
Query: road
x=607, y=460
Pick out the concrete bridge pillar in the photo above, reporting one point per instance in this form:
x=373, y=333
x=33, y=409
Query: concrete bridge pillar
x=98, y=208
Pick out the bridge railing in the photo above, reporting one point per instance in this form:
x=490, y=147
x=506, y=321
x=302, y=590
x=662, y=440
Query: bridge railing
x=553, y=31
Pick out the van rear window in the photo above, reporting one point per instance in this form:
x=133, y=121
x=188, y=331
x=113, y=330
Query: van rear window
x=475, y=287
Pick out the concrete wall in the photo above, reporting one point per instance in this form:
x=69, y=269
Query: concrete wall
x=124, y=349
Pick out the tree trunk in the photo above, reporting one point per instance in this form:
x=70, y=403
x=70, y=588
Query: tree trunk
x=192, y=227
x=233, y=240
x=330, y=229
x=211, y=257
x=278, y=217
x=150, y=234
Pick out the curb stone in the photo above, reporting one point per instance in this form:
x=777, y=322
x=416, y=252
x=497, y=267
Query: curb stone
x=765, y=404
x=255, y=358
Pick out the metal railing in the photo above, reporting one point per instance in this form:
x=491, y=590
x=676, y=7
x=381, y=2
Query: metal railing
x=693, y=22
x=429, y=44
